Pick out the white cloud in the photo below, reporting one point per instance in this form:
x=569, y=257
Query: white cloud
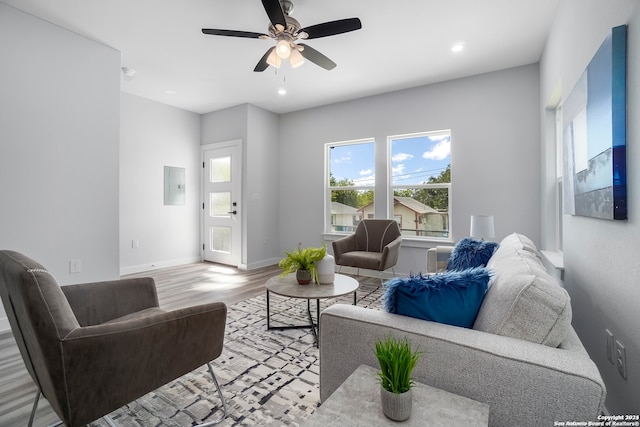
x=439, y=137
x=402, y=157
x=344, y=159
x=440, y=151
x=397, y=170
x=365, y=180
x=365, y=172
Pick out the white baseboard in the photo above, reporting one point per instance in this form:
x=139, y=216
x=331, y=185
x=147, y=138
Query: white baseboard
x=259, y=264
x=156, y=265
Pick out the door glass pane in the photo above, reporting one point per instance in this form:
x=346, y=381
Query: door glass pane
x=220, y=239
x=221, y=169
x=219, y=204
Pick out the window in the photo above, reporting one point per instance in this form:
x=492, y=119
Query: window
x=350, y=184
x=418, y=185
x=420, y=177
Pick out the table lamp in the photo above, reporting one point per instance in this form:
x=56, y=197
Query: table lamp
x=482, y=226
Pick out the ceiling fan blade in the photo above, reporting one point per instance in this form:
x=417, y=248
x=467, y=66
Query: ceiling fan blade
x=233, y=33
x=316, y=57
x=332, y=28
x=275, y=12
x=262, y=64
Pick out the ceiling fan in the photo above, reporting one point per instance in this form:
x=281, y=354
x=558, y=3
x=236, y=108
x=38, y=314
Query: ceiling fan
x=286, y=30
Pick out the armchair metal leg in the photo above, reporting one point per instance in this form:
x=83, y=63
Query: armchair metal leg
x=34, y=408
x=224, y=404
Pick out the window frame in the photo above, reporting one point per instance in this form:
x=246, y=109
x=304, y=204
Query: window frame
x=328, y=188
x=390, y=196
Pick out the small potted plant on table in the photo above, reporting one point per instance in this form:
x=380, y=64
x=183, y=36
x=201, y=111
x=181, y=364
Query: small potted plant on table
x=397, y=361
x=303, y=263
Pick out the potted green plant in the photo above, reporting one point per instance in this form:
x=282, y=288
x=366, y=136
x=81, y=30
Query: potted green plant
x=302, y=261
x=397, y=360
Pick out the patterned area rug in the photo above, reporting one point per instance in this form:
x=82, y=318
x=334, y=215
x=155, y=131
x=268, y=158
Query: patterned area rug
x=268, y=377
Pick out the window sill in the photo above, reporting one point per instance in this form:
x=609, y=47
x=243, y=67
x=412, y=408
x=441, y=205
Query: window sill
x=554, y=258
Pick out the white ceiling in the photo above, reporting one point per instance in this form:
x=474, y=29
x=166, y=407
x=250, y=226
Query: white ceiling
x=402, y=44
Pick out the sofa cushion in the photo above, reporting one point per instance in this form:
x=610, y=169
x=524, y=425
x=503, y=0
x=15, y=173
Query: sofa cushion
x=470, y=253
x=517, y=241
x=524, y=301
x=453, y=297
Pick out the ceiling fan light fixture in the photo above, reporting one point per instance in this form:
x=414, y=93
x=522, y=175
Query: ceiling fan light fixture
x=283, y=48
x=296, y=58
x=274, y=60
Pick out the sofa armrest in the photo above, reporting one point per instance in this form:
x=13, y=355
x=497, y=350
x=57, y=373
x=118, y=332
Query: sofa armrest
x=100, y=302
x=126, y=359
x=343, y=245
x=523, y=383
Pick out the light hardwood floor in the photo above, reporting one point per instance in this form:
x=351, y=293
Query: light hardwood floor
x=177, y=287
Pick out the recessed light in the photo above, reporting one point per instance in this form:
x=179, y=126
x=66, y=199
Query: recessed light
x=170, y=92
x=458, y=47
x=282, y=91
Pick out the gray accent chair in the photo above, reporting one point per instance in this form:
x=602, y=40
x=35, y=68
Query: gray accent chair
x=375, y=245
x=92, y=348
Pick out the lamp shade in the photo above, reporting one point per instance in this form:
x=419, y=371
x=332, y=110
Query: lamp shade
x=283, y=48
x=482, y=226
x=274, y=60
x=296, y=58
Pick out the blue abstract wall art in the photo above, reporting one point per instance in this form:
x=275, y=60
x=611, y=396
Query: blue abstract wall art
x=595, y=134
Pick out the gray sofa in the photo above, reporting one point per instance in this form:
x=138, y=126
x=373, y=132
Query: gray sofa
x=522, y=356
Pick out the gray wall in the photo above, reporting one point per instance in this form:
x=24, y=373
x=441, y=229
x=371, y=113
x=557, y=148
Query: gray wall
x=154, y=135
x=602, y=268
x=59, y=124
x=494, y=120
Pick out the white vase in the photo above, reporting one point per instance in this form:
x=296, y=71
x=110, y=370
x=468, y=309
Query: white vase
x=326, y=270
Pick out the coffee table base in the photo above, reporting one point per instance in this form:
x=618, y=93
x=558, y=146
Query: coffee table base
x=313, y=325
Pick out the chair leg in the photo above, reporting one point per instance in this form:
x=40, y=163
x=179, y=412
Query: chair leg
x=34, y=408
x=224, y=404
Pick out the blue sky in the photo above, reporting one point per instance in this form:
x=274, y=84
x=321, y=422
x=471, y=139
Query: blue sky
x=414, y=159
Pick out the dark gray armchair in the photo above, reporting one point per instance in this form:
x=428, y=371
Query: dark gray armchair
x=92, y=348
x=375, y=245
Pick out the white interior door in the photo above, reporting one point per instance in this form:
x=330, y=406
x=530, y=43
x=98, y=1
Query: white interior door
x=221, y=204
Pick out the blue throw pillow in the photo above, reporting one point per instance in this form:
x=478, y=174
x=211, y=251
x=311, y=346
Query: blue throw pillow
x=453, y=297
x=470, y=253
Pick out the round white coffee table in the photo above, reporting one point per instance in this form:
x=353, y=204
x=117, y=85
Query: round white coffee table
x=288, y=287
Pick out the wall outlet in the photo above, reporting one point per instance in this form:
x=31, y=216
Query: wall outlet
x=610, y=347
x=135, y=243
x=75, y=266
x=621, y=359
